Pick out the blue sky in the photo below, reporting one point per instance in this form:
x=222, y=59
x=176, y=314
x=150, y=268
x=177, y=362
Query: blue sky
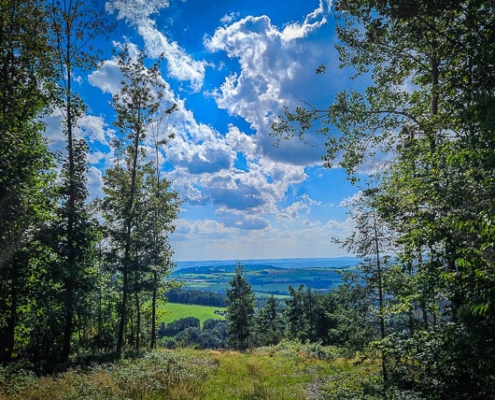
x=230, y=67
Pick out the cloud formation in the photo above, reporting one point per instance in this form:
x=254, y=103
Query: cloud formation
x=240, y=190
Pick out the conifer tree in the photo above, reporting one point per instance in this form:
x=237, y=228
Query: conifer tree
x=240, y=310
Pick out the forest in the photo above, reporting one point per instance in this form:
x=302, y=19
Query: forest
x=82, y=280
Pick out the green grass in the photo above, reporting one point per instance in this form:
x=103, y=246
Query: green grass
x=175, y=311
x=290, y=371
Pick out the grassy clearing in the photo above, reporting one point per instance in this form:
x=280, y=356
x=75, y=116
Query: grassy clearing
x=290, y=371
x=173, y=311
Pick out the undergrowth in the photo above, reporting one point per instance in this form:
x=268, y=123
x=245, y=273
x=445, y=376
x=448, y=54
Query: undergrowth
x=289, y=371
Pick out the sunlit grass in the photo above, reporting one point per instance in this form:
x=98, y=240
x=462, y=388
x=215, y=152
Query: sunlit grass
x=288, y=371
x=173, y=311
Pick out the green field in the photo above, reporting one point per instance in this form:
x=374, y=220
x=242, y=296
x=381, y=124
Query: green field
x=176, y=311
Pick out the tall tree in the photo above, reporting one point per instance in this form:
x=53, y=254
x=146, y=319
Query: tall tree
x=372, y=243
x=428, y=105
x=135, y=198
x=269, y=324
x=76, y=25
x=26, y=73
x=163, y=209
x=240, y=310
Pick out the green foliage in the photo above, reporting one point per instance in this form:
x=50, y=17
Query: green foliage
x=240, y=311
x=139, y=207
x=26, y=170
x=426, y=109
x=268, y=323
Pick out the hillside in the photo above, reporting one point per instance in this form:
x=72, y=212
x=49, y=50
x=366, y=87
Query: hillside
x=290, y=371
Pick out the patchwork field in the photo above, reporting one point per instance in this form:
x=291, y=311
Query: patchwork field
x=267, y=278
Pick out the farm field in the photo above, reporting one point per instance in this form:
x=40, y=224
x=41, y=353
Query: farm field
x=173, y=311
x=266, y=277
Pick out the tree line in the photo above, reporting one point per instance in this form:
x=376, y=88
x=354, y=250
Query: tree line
x=425, y=218
x=199, y=297
x=77, y=275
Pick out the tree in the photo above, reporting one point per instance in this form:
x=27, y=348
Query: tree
x=159, y=222
x=240, y=310
x=269, y=324
x=138, y=206
x=295, y=314
x=353, y=322
x=26, y=201
x=428, y=107
x=371, y=242
x=74, y=24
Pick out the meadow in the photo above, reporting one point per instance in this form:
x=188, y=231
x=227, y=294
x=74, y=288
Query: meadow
x=173, y=311
x=289, y=371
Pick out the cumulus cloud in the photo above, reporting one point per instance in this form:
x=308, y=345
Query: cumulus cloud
x=275, y=65
x=199, y=149
x=107, y=78
x=240, y=179
x=94, y=129
x=95, y=182
x=181, y=66
x=213, y=240
x=245, y=222
x=298, y=208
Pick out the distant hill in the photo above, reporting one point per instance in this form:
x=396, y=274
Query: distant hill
x=335, y=262
x=267, y=277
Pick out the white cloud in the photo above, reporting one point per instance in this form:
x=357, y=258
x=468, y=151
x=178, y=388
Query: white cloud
x=276, y=68
x=228, y=18
x=312, y=22
x=93, y=128
x=181, y=66
x=240, y=179
x=213, y=240
x=294, y=210
x=107, y=78
x=137, y=13
x=95, y=182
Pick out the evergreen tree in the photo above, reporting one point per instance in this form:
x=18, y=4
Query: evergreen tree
x=269, y=324
x=240, y=310
x=295, y=315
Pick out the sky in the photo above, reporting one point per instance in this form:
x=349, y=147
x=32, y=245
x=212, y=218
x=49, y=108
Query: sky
x=230, y=67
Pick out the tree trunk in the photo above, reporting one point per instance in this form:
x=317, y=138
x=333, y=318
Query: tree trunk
x=8, y=340
x=153, y=311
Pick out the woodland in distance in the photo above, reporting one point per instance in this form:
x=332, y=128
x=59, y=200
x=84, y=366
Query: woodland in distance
x=83, y=281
